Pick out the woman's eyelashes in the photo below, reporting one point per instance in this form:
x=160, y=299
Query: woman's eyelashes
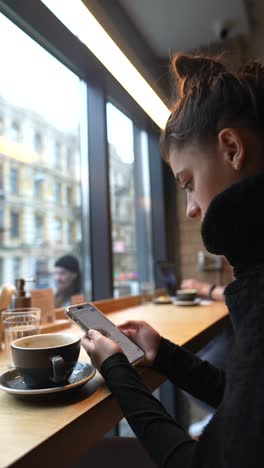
x=187, y=185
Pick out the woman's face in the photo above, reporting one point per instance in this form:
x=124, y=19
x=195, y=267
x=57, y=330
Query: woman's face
x=203, y=174
x=63, y=279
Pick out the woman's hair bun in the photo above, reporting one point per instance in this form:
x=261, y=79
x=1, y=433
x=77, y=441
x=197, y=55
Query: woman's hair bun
x=253, y=69
x=184, y=65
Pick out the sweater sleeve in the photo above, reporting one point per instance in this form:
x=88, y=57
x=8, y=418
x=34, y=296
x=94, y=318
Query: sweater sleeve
x=165, y=441
x=190, y=373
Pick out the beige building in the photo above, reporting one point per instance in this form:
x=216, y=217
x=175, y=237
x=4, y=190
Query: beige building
x=39, y=195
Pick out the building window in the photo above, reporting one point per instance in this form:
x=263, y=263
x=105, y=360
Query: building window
x=16, y=268
x=38, y=186
x=69, y=232
x=57, y=154
x=14, y=225
x=37, y=142
x=1, y=179
x=57, y=230
x=2, y=126
x=1, y=226
x=69, y=157
x=57, y=193
x=69, y=196
x=13, y=180
x=39, y=227
x=14, y=132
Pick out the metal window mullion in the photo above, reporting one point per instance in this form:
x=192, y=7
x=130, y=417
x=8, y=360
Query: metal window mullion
x=100, y=219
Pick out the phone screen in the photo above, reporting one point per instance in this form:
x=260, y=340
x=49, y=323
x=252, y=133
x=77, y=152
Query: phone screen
x=87, y=316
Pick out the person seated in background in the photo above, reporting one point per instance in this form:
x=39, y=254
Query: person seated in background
x=204, y=289
x=67, y=277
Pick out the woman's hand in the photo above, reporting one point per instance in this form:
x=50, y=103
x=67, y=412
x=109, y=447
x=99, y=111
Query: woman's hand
x=145, y=337
x=99, y=347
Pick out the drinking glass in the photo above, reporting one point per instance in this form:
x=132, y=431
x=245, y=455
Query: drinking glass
x=18, y=323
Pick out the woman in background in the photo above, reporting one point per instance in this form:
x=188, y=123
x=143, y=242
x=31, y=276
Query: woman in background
x=67, y=277
x=214, y=143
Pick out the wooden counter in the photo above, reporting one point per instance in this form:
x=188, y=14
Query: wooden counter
x=55, y=432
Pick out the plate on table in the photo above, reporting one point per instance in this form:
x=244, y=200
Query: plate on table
x=195, y=302
x=12, y=382
x=161, y=301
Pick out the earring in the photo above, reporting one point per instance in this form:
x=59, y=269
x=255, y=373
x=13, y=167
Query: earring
x=236, y=167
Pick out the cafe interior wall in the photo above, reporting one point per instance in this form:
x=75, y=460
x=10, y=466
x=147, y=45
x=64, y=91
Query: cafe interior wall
x=236, y=52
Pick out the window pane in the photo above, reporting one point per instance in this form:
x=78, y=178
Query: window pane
x=40, y=132
x=131, y=247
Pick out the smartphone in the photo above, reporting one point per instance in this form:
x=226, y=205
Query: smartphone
x=87, y=316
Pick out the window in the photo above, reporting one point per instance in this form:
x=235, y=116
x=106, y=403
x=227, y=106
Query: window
x=2, y=125
x=16, y=268
x=38, y=186
x=41, y=110
x=57, y=154
x=69, y=232
x=129, y=240
x=14, y=132
x=37, y=142
x=57, y=230
x=57, y=193
x=1, y=179
x=13, y=180
x=39, y=227
x=68, y=196
x=1, y=226
x=14, y=225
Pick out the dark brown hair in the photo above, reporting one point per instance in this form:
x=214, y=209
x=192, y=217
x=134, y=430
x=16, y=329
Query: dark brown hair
x=210, y=97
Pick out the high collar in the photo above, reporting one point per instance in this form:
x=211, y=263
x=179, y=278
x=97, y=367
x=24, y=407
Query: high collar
x=233, y=225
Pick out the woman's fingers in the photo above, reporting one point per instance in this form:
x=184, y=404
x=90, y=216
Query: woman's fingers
x=131, y=324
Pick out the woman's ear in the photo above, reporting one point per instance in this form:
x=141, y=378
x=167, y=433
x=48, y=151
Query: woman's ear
x=232, y=147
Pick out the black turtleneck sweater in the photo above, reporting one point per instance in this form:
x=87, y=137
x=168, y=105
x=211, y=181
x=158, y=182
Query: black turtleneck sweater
x=234, y=438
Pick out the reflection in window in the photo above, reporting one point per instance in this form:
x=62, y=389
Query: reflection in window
x=14, y=224
x=37, y=111
x=128, y=242
x=13, y=180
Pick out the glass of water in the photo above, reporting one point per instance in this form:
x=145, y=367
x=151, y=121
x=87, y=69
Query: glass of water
x=18, y=323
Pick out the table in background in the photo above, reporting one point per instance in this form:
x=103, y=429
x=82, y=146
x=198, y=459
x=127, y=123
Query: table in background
x=57, y=432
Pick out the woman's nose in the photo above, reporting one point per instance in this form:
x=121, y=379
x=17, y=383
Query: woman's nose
x=193, y=209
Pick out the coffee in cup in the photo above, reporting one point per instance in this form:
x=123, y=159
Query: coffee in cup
x=46, y=360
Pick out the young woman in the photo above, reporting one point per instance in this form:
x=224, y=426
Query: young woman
x=213, y=142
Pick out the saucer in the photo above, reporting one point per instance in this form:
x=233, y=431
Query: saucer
x=168, y=301
x=194, y=302
x=12, y=382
